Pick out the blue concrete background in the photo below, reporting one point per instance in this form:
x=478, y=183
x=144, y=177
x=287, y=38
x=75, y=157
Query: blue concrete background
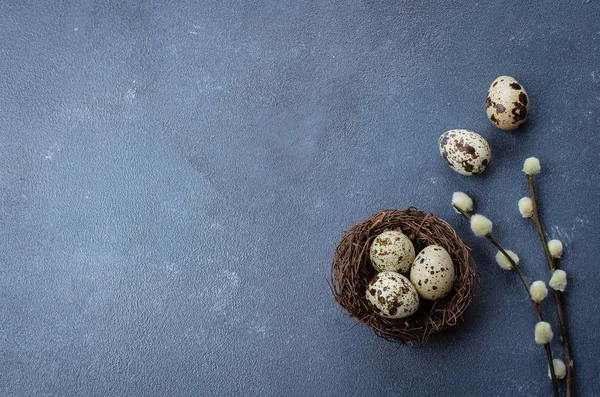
x=174, y=175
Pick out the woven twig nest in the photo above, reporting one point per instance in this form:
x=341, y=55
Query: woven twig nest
x=351, y=271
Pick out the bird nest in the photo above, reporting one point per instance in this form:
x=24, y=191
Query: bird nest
x=351, y=271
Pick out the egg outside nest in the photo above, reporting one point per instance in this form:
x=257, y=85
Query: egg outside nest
x=507, y=103
x=351, y=272
x=465, y=151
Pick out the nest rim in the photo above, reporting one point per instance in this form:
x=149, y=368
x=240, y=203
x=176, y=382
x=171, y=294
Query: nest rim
x=351, y=271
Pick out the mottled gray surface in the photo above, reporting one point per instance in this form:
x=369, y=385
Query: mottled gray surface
x=173, y=177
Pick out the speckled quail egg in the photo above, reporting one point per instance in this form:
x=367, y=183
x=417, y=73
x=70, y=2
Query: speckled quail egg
x=507, y=103
x=392, y=251
x=433, y=273
x=392, y=295
x=465, y=151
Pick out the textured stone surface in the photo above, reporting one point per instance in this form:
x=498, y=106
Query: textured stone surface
x=173, y=177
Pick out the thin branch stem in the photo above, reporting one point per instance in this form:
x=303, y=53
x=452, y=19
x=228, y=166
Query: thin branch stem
x=536, y=306
x=557, y=294
x=565, y=341
x=514, y=265
x=536, y=219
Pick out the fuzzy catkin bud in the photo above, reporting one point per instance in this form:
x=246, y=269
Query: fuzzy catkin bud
x=558, y=281
x=526, y=207
x=503, y=261
x=560, y=369
x=480, y=225
x=462, y=201
x=543, y=333
x=538, y=291
x=532, y=166
x=556, y=248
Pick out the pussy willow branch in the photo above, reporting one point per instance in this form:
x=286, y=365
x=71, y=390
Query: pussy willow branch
x=536, y=306
x=557, y=294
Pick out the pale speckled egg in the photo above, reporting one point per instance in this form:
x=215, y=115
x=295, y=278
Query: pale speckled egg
x=433, y=273
x=392, y=251
x=465, y=151
x=392, y=295
x=507, y=103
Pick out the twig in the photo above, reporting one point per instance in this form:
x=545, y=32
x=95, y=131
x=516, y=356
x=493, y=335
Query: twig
x=557, y=294
x=536, y=306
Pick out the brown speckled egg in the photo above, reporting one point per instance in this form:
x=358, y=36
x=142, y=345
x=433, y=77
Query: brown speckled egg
x=507, y=103
x=392, y=251
x=466, y=152
x=433, y=273
x=391, y=295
